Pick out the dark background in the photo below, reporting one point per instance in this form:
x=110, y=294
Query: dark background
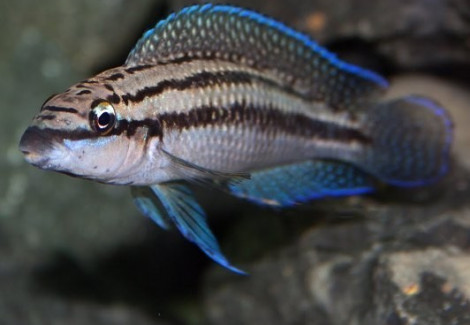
x=77, y=252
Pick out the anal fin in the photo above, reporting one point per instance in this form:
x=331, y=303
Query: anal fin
x=296, y=183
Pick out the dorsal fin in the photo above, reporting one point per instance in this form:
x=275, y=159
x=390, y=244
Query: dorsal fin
x=233, y=34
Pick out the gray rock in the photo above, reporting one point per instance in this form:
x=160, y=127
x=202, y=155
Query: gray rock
x=19, y=304
x=358, y=273
x=403, y=261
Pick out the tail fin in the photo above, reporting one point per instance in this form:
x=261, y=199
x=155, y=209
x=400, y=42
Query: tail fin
x=411, y=141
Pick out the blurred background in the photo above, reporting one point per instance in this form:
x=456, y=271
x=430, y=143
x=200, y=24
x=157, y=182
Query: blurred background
x=77, y=252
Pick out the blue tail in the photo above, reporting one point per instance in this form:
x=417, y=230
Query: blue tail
x=411, y=142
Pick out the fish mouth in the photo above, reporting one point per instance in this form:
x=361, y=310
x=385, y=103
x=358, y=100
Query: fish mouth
x=37, y=148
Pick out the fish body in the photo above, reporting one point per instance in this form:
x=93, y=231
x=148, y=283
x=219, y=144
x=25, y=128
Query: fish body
x=222, y=95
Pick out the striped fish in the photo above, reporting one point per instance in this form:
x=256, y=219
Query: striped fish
x=224, y=96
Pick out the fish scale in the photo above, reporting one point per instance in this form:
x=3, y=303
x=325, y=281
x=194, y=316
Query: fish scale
x=257, y=41
x=228, y=98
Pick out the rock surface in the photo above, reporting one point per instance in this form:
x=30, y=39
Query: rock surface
x=77, y=252
x=403, y=261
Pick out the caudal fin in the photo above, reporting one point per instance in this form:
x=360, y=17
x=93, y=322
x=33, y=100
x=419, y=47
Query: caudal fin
x=411, y=141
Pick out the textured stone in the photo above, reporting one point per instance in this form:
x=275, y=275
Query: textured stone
x=403, y=261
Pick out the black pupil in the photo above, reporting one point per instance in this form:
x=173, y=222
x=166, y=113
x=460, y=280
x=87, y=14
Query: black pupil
x=104, y=119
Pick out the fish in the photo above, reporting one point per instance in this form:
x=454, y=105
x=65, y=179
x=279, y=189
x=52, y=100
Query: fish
x=225, y=97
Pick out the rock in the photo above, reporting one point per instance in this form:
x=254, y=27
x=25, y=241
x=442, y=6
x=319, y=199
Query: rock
x=404, y=260
x=360, y=273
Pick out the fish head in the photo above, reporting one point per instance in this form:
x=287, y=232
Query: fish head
x=85, y=132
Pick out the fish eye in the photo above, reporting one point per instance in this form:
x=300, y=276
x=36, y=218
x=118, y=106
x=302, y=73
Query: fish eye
x=102, y=117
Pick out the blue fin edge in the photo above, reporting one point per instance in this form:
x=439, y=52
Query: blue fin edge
x=270, y=22
x=213, y=252
x=315, y=195
x=439, y=111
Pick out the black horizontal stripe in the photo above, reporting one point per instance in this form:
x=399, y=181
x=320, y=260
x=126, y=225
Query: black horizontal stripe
x=305, y=86
x=59, y=109
x=45, y=117
x=211, y=56
x=130, y=127
x=59, y=134
x=198, y=80
x=207, y=79
x=265, y=119
x=347, y=91
x=122, y=127
x=286, y=84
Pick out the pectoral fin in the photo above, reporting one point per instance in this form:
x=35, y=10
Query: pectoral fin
x=189, y=170
x=181, y=208
x=291, y=184
x=150, y=206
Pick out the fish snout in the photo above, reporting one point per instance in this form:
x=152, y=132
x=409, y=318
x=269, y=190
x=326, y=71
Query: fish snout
x=36, y=146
